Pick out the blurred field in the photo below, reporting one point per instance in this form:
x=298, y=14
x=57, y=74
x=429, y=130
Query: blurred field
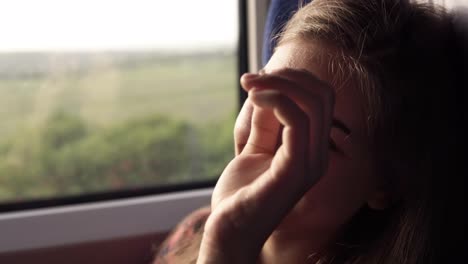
x=74, y=123
x=106, y=88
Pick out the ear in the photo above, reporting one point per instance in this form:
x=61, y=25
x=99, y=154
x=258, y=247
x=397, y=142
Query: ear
x=380, y=200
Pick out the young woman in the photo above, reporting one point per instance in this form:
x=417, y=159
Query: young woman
x=343, y=148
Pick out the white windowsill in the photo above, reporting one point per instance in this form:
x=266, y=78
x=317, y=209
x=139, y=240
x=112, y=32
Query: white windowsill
x=57, y=226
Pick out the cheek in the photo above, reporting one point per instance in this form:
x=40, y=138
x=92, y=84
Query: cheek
x=338, y=195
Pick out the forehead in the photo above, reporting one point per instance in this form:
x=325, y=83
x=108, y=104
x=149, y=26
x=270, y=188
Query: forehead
x=301, y=55
x=349, y=104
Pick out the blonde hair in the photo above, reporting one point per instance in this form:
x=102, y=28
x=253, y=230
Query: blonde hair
x=400, y=54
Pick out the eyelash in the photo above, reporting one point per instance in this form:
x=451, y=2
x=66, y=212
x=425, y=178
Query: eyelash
x=333, y=146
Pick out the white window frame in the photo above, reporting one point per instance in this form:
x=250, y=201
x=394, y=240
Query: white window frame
x=64, y=225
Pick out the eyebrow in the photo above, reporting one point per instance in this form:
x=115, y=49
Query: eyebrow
x=340, y=125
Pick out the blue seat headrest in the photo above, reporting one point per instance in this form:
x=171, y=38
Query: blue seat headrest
x=278, y=14
x=460, y=26
x=460, y=56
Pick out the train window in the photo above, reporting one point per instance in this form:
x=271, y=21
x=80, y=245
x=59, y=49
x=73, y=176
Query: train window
x=447, y=3
x=100, y=96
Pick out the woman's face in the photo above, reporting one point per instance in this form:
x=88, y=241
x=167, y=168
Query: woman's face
x=348, y=184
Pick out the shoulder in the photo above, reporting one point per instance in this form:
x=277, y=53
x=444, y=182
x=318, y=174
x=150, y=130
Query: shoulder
x=183, y=243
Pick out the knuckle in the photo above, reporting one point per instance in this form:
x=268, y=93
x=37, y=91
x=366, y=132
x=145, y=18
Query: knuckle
x=241, y=212
x=256, y=148
x=215, y=230
x=231, y=220
x=266, y=132
x=241, y=130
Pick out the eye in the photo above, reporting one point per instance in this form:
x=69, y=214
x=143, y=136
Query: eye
x=333, y=147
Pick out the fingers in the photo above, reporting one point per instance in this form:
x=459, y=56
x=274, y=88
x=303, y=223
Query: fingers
x=320, y=89
x=296, y=151
x=289, y=115
x=234, y=224
x=314, y=97
x=288, y=172
x=302, y=105
x=304, y=82
x=264, y=132
x=242, y=126
x=262, y=135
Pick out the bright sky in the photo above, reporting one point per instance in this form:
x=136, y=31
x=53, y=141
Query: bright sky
x=58, y=25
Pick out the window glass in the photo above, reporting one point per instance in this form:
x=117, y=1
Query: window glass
x=100, y=95
x=450, y=4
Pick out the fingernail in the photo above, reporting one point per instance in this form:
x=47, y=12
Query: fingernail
x=263, y=96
